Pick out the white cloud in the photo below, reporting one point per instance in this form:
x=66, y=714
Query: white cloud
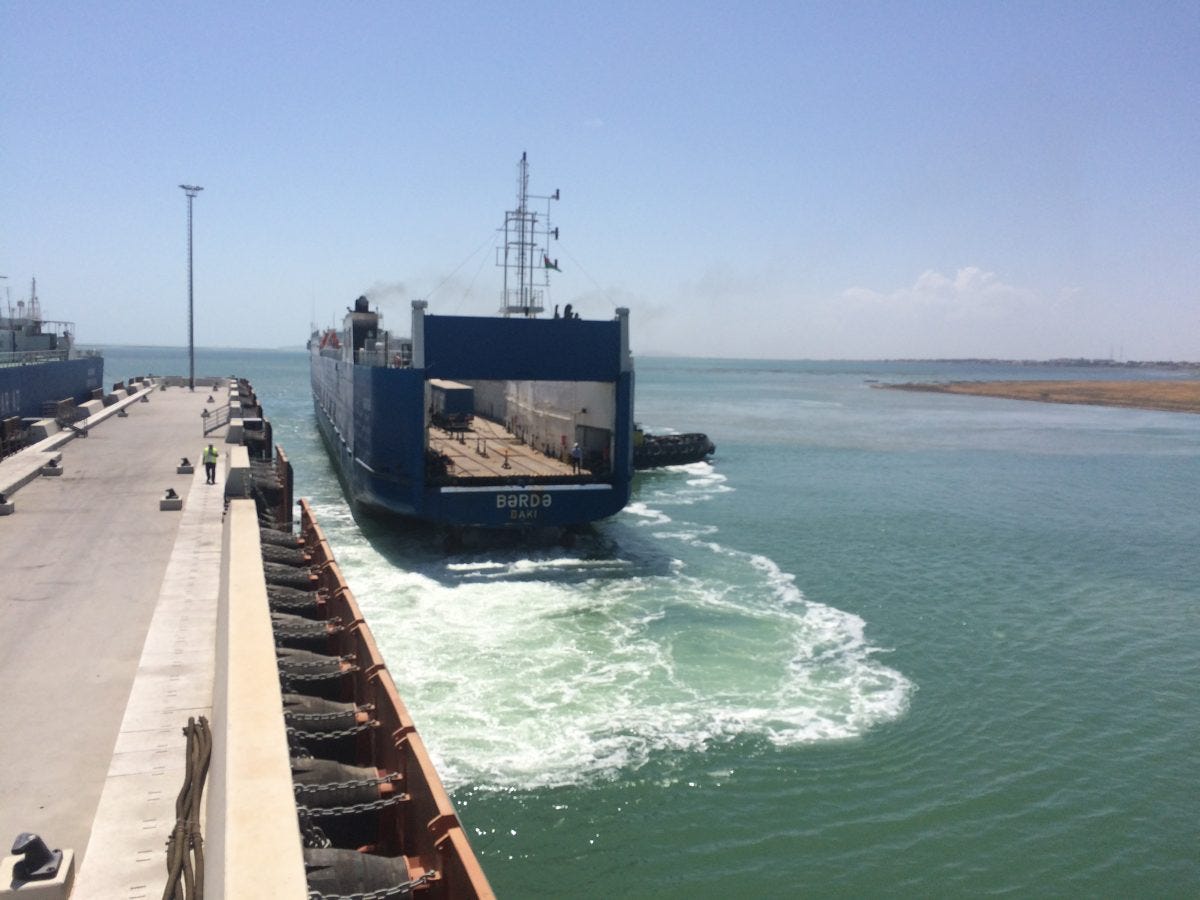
x=969, y=312
x=965, y=312
x=970, y=290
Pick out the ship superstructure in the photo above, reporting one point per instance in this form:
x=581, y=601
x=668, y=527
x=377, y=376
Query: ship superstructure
x=499, y=422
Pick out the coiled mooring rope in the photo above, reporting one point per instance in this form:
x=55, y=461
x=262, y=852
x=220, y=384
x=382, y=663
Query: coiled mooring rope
x=185, y=847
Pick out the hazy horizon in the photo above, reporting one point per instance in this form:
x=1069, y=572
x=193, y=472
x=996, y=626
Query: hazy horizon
x=652, y=354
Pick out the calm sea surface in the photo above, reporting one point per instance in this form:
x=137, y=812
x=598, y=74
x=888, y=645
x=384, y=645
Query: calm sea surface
x=885, y=644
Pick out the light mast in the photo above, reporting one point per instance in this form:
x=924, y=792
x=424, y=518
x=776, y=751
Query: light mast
x=527, y=263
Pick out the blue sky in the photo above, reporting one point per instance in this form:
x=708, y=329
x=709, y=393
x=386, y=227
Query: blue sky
x=793, y=180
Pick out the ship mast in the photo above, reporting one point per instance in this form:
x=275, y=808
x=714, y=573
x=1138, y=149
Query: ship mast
x=527, y=263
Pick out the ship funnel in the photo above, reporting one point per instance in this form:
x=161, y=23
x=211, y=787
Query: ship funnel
x=364, y=324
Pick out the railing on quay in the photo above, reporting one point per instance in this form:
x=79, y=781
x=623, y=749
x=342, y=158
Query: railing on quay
x=215, y=420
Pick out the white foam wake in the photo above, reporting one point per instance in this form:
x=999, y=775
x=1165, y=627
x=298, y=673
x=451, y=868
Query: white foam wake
x=544, y=670
x=702, y=483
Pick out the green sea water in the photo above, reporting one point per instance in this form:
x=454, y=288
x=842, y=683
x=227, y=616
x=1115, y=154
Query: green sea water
x=886, y=643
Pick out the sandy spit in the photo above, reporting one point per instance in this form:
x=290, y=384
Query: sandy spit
x=1171, y=396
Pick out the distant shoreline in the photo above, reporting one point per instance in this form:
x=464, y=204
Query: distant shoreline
x=1166, y=396
x=1167, y=365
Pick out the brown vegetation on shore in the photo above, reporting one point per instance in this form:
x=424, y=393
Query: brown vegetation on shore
x=1171, y=396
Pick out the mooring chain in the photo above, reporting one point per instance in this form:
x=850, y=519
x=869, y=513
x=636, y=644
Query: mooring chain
x=315, y=676
x=301, y=633
x=299, y=751
x=302, y=736
x=317, y=663
x=323, y=717
x=329, y=812
x=339, y=785
x=316, y=628
x=314, y=836
x=399, y=890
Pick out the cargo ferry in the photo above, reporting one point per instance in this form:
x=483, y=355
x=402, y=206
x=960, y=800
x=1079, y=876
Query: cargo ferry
x=514, y=421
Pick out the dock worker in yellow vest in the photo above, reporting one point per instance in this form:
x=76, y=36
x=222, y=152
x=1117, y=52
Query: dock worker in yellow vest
x=210, y=464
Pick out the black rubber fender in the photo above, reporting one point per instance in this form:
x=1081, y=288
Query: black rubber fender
x=341, y=872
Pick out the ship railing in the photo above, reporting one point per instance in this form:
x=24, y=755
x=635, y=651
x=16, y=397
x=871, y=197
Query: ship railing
x=38, y=325
x=523, y=302
x=13, y=435
x=447, y=480
x=30, y=357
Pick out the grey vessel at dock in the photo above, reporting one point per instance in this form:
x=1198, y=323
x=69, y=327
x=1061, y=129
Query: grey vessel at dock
x=39, y=365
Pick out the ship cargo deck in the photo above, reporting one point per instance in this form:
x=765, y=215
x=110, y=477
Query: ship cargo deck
x=489, y=450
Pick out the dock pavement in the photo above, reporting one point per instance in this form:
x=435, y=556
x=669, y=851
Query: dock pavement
x=107, y=612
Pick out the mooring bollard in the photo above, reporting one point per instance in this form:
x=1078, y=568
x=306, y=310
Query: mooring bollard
x=36, y=870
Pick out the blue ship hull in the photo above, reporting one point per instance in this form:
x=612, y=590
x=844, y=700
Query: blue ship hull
x=24, y=388
x=374, y=419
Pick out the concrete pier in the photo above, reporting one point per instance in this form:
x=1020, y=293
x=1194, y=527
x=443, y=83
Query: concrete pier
x=125, y=612
x=99, y=587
